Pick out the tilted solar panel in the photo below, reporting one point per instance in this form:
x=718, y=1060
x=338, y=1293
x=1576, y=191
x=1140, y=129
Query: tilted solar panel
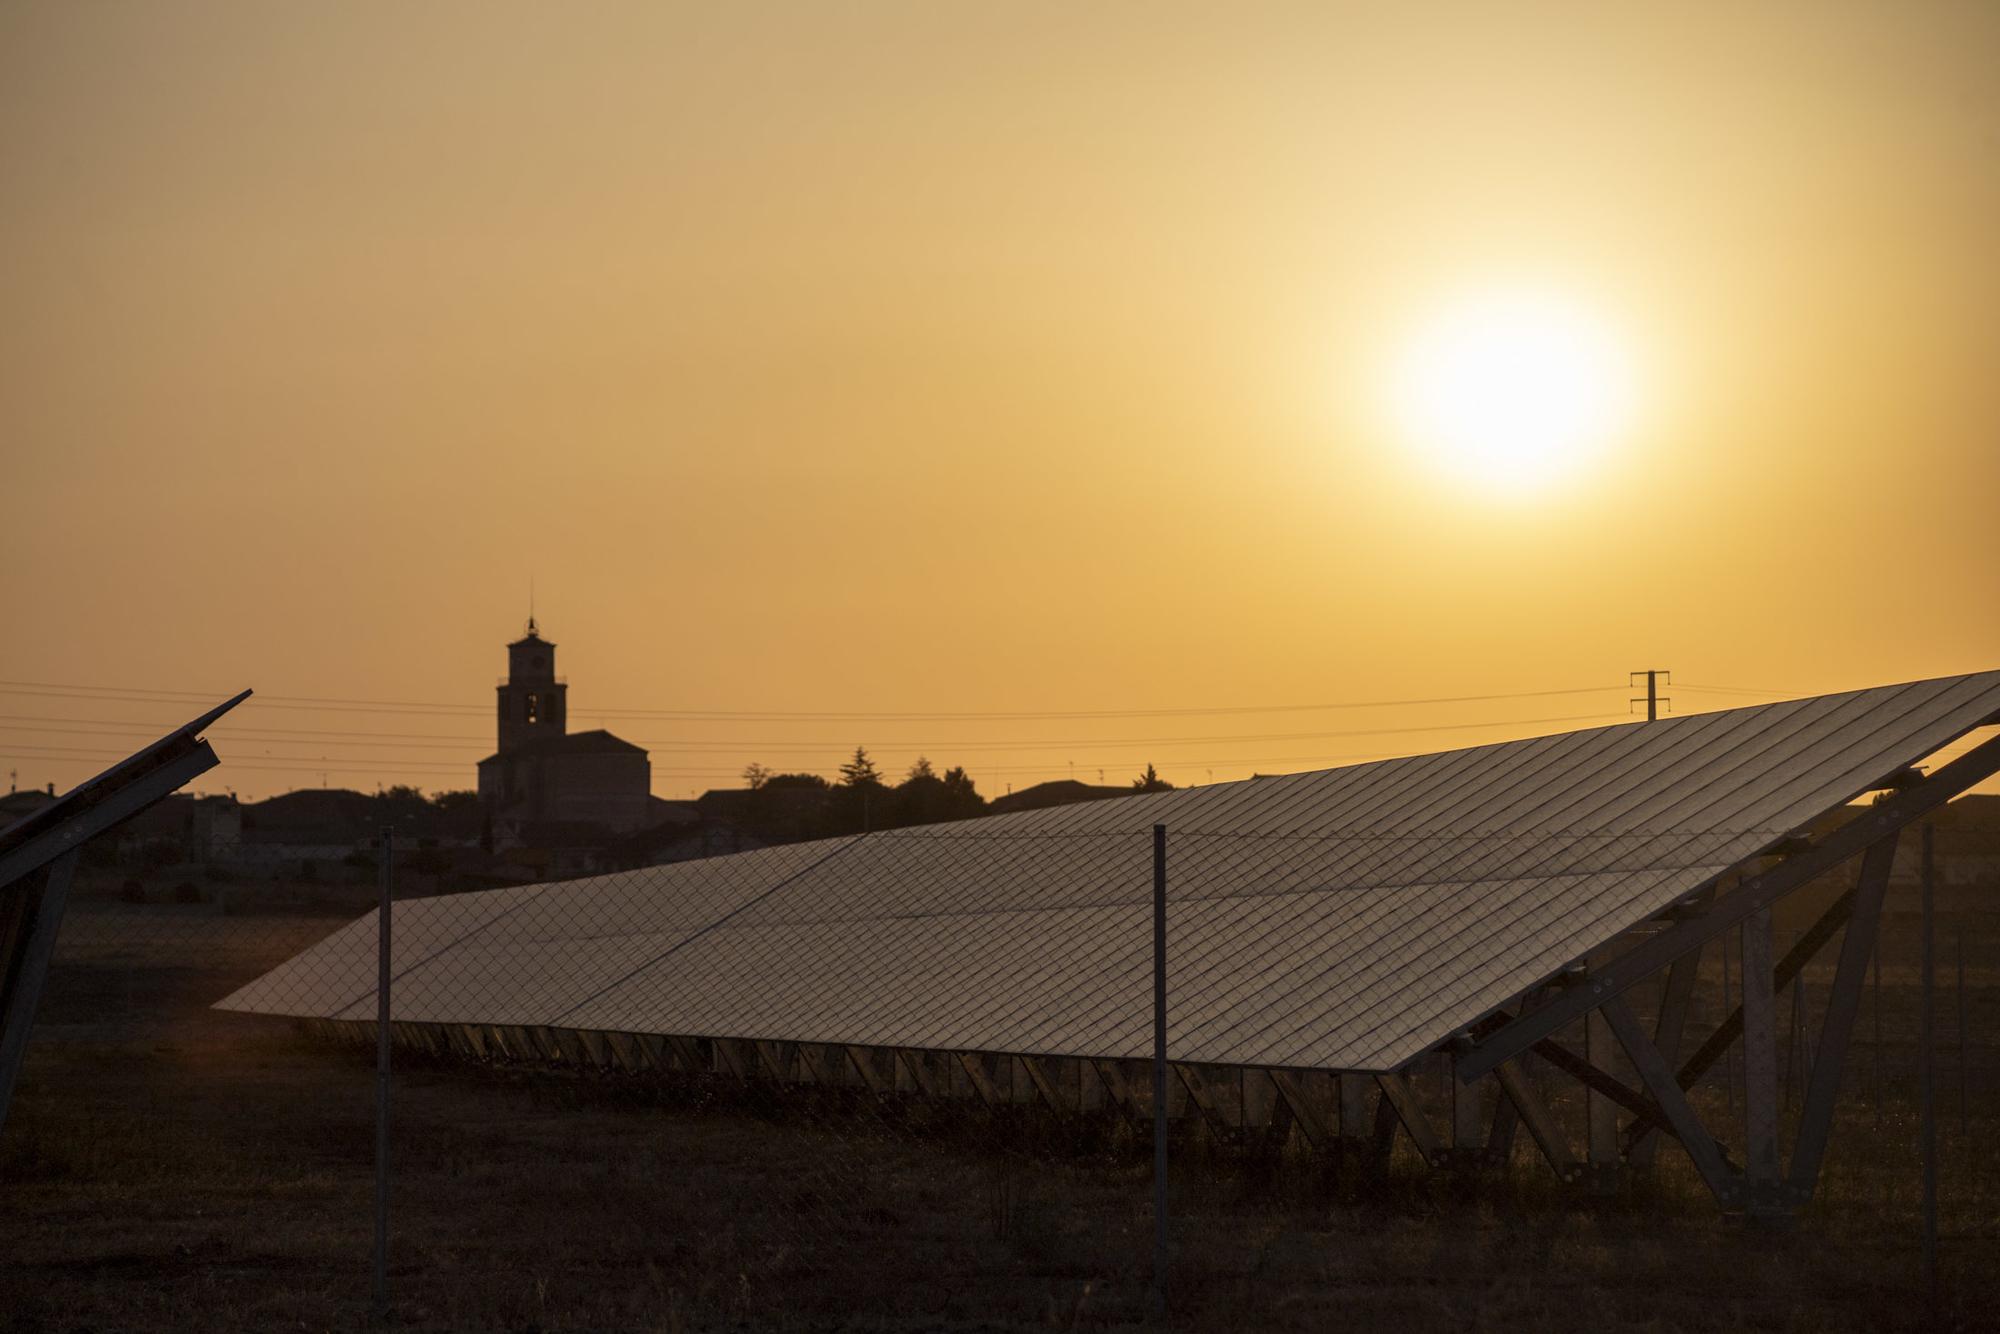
x=1347, y=919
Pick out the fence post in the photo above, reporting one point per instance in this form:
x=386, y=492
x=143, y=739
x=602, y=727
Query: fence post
x=1875, y=1010
x=382, y=972
x=1962, y=1049
x=1927, y=1078
x=1159, y=1069
x=1729, y=1053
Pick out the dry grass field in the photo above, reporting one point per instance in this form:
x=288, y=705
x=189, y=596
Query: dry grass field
x=168, y=1167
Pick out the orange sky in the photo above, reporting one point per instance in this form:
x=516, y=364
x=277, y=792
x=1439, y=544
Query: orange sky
x=952, y=359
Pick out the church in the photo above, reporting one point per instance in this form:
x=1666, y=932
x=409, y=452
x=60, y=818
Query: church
x=544, y=782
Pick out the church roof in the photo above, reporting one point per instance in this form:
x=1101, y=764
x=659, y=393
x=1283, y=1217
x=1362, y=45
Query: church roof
x=534, y=636
x=594, y=742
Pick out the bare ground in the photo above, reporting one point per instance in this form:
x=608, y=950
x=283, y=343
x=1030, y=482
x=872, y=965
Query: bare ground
x=168, y=1167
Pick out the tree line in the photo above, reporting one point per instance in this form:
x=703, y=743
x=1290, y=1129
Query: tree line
x=862, y=799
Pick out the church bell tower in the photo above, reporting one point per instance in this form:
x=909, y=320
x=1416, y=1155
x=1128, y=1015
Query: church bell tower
x=532, y=698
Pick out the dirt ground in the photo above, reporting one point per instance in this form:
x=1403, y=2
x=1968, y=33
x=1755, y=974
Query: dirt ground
x=169, y=1167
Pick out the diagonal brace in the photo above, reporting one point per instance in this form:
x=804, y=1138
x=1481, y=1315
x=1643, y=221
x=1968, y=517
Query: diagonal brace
x=1754, y=894
x=1680, y=1117
x=1397, y=1093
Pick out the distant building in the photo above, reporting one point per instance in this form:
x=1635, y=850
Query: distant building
x=310, y=825
x=1061, y=792
x=18, y=805
x=776, y=812
x=543, y=776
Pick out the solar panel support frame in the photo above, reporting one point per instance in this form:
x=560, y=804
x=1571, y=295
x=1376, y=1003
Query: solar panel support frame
x=1755, y=893
x=40, y=853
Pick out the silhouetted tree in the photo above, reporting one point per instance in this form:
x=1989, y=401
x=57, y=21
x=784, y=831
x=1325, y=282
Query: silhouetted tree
x=859, y=801
x=962, y=799
x=860, y=771
x=1150, y=781
x=918, y=799
x=778, y=782
x=925, y=798
x=755, y=776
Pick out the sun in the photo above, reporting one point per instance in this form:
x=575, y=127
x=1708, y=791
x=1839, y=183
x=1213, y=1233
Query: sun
x=1512, y=391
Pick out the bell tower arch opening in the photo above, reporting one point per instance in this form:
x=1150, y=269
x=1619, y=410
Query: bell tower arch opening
x=533, y=700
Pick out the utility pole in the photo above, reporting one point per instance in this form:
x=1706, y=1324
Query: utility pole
x=1653, y=700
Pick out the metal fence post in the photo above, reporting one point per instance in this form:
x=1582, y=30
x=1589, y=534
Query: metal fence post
x=1729, y=1054
x=1962, y=1049
x=1927, y=1079
x=382, y=972
x=1159, y=1069
x=1875, y=1010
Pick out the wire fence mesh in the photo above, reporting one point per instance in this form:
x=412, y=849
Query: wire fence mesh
x=907, y=1079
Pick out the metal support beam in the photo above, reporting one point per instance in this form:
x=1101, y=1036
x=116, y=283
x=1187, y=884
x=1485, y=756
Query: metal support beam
x=1843, y=1004
x=1354, y=1116
x=1756, y=893
x=913, y=1062
x=1382, y=1139
x=1468, y=1124
x=1117, y=1086
x=1292, y=1094
x=730, y=1056
x=812, y=1059
x=1534, y=1114
x=1500, y=1139
x=1796, y=958
x=1658, y=1075
x=1614, y=1090
x=1600, y=1112
x=1676, y=999
x=1398, y=1094
x=1273, y=1117
x=872, y=1075
x=690, y=1055
x=1716, y=1046
x=28, y=968
x=975, y=1070
x=778, y=1061
x=1199, y=1094
x=116, y=807
x=1045, y=1086
x=1760, y=1068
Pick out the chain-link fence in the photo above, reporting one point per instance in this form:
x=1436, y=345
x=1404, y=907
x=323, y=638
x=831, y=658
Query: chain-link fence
x=907, y=1080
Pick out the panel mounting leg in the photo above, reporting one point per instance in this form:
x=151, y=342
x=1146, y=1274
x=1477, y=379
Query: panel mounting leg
x=1816, y=1120
x=1601, y=1139
x=1534, y=1114
x=1760, y=1070
x=1676, y=999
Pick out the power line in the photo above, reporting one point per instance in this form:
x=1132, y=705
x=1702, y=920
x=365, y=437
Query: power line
x=410, y=768
x=60, y=690
x=140, y=726
x=816, y=747
x=1737, y=690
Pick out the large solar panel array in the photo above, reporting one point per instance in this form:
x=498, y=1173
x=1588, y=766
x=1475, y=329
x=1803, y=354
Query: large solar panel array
x=1344, y=919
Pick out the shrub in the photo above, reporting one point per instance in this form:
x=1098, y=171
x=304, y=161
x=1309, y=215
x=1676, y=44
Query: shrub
x=187, y=892
x=132, y=892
